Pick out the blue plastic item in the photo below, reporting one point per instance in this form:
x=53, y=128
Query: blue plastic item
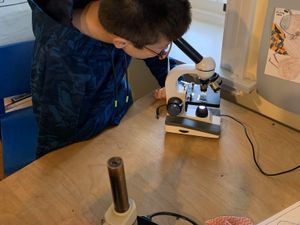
x=18, y=128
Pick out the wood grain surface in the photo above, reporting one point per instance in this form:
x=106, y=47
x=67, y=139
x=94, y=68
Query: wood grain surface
x=198, y=177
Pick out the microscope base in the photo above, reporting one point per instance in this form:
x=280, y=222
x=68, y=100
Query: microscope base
x=128, y=218
x=188, y=126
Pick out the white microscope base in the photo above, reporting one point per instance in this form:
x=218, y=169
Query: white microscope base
x=190, y=126
x=186, y=131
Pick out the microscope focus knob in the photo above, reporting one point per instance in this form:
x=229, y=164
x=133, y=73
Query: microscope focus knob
x=202, y=111
x=174, y=106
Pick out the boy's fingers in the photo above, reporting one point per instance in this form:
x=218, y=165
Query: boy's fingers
x=160, y=93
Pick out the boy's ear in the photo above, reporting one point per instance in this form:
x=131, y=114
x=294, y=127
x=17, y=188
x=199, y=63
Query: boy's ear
x=119, y=42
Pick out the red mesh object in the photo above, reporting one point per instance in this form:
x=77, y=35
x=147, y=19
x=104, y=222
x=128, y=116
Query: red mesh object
x=229, y=220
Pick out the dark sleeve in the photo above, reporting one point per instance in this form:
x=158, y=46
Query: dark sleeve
x=61, y=10
x=159, y=68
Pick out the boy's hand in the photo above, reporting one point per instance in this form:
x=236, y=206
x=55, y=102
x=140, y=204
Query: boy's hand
x=160, y=93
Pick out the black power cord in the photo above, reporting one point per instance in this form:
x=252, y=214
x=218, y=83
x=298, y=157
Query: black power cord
x=157, y=110
x=253, y=151
x=251, y=143
x=176, y=215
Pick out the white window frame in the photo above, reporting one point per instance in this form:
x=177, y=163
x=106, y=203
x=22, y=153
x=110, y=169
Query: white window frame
x=238, y=33
x=238, y=27
x=215, y=6
x=210, y=11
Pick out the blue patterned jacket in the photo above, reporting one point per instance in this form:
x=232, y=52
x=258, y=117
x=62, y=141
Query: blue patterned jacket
x=79, y=84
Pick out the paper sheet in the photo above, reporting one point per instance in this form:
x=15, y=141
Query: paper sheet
x=288, y=216
x=283, y=59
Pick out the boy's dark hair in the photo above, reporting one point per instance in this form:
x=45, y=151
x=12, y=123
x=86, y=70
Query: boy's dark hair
x=144, y=22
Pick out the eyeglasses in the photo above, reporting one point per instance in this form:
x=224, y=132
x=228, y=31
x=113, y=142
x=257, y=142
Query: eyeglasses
x=163, y=53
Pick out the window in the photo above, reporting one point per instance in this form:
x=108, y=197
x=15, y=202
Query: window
x=214, y=6
x=230, y=49
x=15, y=21
x=210, y=11
x=238, y=35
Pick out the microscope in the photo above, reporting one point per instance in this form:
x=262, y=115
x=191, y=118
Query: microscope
x=123, y=210
x=193, y=96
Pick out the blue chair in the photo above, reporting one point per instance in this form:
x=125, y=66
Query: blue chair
x=18, y=128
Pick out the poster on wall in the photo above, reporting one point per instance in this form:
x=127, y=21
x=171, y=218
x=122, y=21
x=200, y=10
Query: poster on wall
x=283, y=60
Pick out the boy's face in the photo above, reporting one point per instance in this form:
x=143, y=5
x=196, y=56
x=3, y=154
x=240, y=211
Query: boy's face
x=160, y=49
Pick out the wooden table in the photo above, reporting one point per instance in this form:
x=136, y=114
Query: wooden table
x=198, y=177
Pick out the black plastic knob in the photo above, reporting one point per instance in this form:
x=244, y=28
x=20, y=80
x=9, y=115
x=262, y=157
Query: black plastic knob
x=174, y=106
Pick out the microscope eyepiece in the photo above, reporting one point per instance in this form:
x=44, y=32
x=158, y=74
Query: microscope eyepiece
x=188, y=50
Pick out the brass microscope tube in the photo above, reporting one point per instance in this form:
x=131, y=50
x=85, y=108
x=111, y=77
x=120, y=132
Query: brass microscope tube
x=118, y=184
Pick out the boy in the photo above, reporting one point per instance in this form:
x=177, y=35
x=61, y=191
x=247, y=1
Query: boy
x=81, y=55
